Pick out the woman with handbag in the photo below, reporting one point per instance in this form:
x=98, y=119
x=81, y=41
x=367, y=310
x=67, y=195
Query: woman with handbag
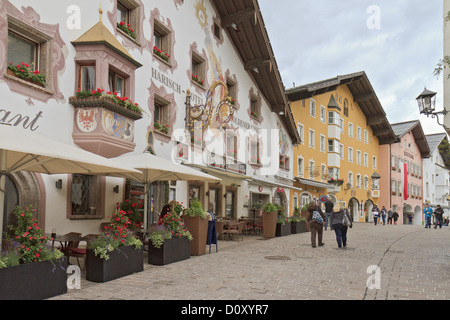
x=316, y=221
x=340, y=221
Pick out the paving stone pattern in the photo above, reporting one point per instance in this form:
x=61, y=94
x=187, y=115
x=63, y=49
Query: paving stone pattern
x=414, y=264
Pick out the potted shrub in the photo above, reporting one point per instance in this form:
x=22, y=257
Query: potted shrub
x=283, y=227
x=270, y=213
x=115, y=253
x=134, y=209
x=170, y=241
x=30, y=268
x=298, y=223
x=196, y=222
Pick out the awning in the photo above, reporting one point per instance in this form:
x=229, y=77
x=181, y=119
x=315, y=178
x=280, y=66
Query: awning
x=272, y=184
x=313, y=183
x=219, y=172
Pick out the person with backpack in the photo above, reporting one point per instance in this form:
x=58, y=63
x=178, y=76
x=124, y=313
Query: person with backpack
x=340, y=221
x=427, y=211
x=316, y=220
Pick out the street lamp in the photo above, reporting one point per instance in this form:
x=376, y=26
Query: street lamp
x=427, y=105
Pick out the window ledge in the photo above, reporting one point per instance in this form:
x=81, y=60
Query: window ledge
x=28, y=84
x=198, y=84
x=129, y=37
x=86, y=217
x=162, y=60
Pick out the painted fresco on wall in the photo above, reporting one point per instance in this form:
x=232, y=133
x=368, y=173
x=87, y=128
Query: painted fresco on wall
x=118, y=126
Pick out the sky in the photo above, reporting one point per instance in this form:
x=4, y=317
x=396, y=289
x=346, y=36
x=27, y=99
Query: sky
x=398, y=43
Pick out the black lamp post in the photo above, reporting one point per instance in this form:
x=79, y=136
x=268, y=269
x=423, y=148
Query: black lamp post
x=427, y=105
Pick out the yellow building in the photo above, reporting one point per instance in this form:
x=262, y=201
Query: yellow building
x=341, y=124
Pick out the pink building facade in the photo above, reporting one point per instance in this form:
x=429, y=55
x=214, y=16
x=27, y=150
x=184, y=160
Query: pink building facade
x=401, y=184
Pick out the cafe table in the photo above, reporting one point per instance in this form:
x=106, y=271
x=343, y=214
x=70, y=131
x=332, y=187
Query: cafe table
x=65, y=240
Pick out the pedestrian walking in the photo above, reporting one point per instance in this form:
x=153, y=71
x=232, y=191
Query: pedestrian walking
x=390, y=214
x=339, y=225
x=376, y=213
x=328, y=209
x=383, y=215
x=316, y=220
x=427, y=211
x=438, y=216
x=395, y=217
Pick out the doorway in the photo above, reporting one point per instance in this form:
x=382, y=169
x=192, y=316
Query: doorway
x=214, y=201
x=230, y=201
x=11, y=202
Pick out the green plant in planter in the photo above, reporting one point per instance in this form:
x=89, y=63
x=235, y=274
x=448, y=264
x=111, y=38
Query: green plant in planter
x=172, y=226
x=28, y=241
x=270, y=207
x=116, y=235
x=281, y=218
x=196, y=210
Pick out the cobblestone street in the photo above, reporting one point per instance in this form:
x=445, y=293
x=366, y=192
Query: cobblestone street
x=414, y=264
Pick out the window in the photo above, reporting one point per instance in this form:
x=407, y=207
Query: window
x=323, y=172
x=128, y=17
x=333, y=146
x=312, y=108
x=366, y=159
x=350, y=178
x=374, y=162
x=331, y=117
x=358, y=133
x=366, y=182
x=232, y=91
x=300, y=167
x=198, y=69
x=254, y=152
x=21, y=49
x=322, y=143
x=116, y=83
x=358, y=157
x=341, y=151
x=366, y=136
x=358, y=181
x=216, y=30
x=311, y=169
x=341, y=125
x=254, y=108
x=182, y=151
x=345, y=107
x=312, y=138
x=322, y=114
x=85, y=195
x=301, y=133
x=350, y=130
x=231, y=146
x=161, y=115
x=284, y=162
x=86, y=80
x=162, y=41
x=350, y=154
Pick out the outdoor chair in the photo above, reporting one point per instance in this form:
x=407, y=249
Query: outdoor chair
x=220, y=229
x=236, y=230
x=258, y=227
x=248, y=227
x=75, y=251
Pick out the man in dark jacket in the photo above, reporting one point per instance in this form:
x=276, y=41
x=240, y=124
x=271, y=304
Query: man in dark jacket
x=438, y=212
x=328, y=209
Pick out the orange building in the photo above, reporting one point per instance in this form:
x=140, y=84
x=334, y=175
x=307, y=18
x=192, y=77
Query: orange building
x=341, y=124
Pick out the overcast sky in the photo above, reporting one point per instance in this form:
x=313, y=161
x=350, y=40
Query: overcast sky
x=398, y=43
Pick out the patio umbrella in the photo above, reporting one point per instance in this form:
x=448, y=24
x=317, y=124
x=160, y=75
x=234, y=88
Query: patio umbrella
x=153, y=168
x=24, y=151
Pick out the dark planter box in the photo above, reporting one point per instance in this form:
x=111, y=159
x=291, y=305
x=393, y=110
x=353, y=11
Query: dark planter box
x=173, y=250
x=34, y=281
x=122, y=262
x=298, y=227
x=283, y=230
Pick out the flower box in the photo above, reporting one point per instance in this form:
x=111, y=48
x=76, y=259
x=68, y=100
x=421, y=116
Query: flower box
x=173, y=250
x=198, y=227
x=269, y=224
x=27, y=79
x=122, y=262
x=34, y=281
x=298, y=227
x=106, y=103
x=283, y=229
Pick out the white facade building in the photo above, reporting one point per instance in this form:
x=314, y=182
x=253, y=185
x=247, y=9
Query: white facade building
x=198, y=69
